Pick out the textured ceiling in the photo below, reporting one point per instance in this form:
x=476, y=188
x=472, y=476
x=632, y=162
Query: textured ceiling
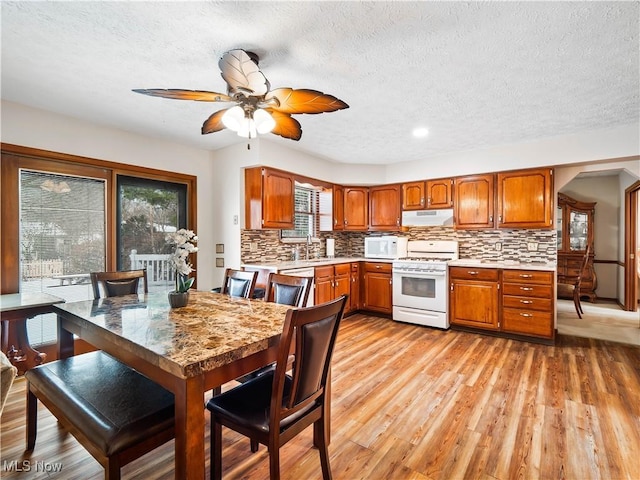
x=475, y=74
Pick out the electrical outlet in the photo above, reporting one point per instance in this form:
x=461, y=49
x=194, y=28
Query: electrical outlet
x=497, y=246
x=253, y=247
x=532, y=246
x=235, y=219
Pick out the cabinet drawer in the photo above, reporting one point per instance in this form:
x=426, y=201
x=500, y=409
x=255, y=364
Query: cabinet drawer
x=527, y=323
x=470, y=273
x=377, y=267
x=527, y=290
x=527, y=276
x=342, y=268
x=527, y=303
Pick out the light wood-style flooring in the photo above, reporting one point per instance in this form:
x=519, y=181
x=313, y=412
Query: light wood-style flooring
x=417, y=403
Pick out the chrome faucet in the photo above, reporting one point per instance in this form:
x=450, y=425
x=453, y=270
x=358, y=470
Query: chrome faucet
x=308, y=245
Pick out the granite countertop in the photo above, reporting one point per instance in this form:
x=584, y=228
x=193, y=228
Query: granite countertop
x=212, y=330
x=278, y=266
x=503, y=264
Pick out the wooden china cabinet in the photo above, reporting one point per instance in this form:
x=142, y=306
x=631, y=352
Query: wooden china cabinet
x=575, y=234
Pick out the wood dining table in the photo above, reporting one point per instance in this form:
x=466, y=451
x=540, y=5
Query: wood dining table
x=189, y=350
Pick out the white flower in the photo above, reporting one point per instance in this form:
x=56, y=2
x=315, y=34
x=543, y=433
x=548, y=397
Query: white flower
x=184, y=241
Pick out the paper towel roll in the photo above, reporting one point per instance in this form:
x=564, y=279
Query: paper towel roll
x=331, y=247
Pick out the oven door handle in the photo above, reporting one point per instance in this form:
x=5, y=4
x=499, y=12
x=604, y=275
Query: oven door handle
x=404, y=273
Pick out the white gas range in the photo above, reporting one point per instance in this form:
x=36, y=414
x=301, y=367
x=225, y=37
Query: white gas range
x=420, y=283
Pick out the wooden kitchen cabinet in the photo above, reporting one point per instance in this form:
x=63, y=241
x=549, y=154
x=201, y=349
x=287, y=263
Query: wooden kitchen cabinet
x=338, y=207
x=439, y=193
x=414, y=195
x=269, y=195
x=575, y=234
x=377, y=287
x=384, y=208
x=473, y=204
x=528, y=303
x=356, y=208
x=354, y=296
x=473, y=297
x=331, y=282
x=525, y=198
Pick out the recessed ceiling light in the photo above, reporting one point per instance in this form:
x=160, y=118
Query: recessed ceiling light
x=420, y=132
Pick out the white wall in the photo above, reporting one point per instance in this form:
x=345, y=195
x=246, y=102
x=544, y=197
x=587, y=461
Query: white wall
x=220, y=185
x=39, y=129
x=567, y=149
x=607, y=228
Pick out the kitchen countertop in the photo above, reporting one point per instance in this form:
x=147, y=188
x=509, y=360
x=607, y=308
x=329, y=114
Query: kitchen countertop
x=278, y=266
x=504, y=264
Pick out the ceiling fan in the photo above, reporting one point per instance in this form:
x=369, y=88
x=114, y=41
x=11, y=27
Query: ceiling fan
x=258, y=109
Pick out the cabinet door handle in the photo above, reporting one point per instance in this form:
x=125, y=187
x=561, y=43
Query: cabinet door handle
x=522, y=275
x=500, y=218
x=398, y=221
x=377, y=266
x=429, y=201
x=422, y=201
x=526, y=289
x=470, y=272
x=526, y=302
x=526, y=315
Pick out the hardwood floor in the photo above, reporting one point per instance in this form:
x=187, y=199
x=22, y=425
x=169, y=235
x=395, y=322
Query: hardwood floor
x=418, y=403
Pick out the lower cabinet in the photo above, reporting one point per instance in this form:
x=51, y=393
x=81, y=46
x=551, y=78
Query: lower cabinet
x=518, y=302
x=354, y=297
x=377, y=288
x=528, y=303
x=473, y=297
x=331, y=282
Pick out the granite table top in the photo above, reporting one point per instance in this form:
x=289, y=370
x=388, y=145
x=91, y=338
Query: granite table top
x=211, y=331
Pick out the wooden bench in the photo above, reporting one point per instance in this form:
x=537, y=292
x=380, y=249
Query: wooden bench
x=73, y=279
x=116, y=413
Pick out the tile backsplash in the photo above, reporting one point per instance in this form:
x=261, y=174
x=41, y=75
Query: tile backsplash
x=479, y=244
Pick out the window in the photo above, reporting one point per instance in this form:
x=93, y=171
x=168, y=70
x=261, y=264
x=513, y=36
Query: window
x=147, y=211
x=62, y=239
x=312, y=212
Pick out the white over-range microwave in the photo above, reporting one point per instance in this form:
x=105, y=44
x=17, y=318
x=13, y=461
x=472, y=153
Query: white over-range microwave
x=385, y=247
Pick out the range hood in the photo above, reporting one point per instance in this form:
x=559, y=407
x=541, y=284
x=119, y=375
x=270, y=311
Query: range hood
x=426, y=218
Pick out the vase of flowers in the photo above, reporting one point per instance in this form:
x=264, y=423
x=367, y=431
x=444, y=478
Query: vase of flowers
x=184, y=241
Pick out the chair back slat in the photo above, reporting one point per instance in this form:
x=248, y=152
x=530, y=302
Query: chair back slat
x=115, y=284
x=239, y=283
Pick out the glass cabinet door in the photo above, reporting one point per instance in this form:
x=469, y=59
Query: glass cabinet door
x=559, y=228
x=578, y=231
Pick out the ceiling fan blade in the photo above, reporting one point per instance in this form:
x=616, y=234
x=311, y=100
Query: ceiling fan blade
x=242, y=74
x=304, y=101
x=214, y=122
x=178, y=94
x=286, y=126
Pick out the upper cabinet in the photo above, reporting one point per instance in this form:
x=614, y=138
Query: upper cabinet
x=269, y=195
x=439, y=194
x=384, y=208
x=474, y=202
x=356, y=208
x=338, y=207
x=525, y=199
x=427, y=194
x=413, y=195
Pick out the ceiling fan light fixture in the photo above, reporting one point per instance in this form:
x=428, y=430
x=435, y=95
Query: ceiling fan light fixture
x=233, y=118
x=264, y=121
x=247, y=128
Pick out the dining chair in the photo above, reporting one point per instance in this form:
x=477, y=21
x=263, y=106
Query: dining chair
x=238, y=283
x=275, y=407
x=571, y=288
x=287, y=289
x=118, y=283
x=114, y=412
